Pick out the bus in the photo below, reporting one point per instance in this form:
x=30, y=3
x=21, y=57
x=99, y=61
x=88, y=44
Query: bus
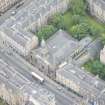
x=36, y=76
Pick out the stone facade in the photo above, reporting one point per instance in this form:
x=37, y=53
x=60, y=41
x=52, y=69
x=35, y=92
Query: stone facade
x=85, y=84
x=6, y=4
x=97, y=9
x=16, y=43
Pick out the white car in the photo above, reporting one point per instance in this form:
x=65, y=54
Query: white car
x=59, y=88
x=13, y=12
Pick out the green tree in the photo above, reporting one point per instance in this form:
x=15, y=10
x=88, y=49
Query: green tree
x=94, y=32
x=103, y=38
x=78, y=7
x=2, y=102
x=57, y=21
x=80, y=30
x=77, y=19
x=96, y=67
x=46, y=32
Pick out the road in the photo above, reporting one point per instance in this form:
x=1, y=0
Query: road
x=8, y=13
x=63, y=98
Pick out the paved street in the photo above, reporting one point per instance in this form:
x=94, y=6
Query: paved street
x=25, y=69
x=8, y=14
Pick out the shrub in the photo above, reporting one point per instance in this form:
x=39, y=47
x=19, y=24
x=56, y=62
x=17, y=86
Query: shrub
x=46, y=32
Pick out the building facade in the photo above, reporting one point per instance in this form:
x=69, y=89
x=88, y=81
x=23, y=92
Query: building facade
x=17, y=40
x=90, y=87
x=6, y=4
x=97, y=9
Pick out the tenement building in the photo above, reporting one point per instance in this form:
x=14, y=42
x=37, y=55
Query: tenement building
x=97, y=9
x=61, y=48
x=32, y=16
x=17, y=39
x=6, y=4
x=90, y=87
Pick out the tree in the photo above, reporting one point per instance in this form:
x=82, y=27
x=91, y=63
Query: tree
x=46, y=32
x=57, y=21
x=96, y=67
x=80, y=30
x=2, y=102
x=76, y=19
x=94, y=32
x=103, y=38
x=78, y=7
